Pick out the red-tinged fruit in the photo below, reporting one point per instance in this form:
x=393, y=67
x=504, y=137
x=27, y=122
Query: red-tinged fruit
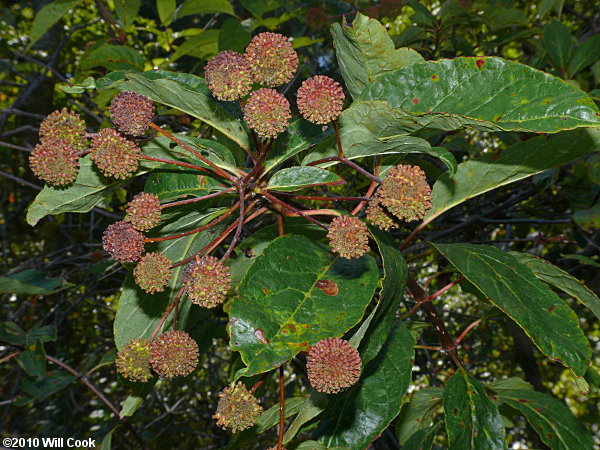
x=267, y=112
x=131, y=112
x=228, y=76
x=320, y=99
x=174, y=354
x=405, y=193
x=272, y=59
x=54, y=161
x=237, y=409
x=133, y=361
x=114, y=155
x=333, y=365
x=153, y=272
x=143, y=211
x=207, y=281
x=66, y=126
x=123, y=242
x=349, y=237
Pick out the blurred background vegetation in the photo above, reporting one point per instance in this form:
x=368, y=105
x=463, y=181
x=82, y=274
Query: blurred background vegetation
x=56, y=274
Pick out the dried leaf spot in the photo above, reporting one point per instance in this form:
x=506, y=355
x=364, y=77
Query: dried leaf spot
x=328, y=287
x=260, y=335
x=480, y=62
x=265, y=291
x=415, y=100
x=551, y=308
x=434, y=77
x=497, y=118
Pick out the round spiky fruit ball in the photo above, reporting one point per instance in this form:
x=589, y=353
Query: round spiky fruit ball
x=333, y=365
x=65, y=125
x=143, y=211
x=267, y=112
x=272, y=59
x=153, y=272
x=207, y=281
x=320, y=99
x=237, y=409
x=114, y=155
x=174, y=354
x=405, y=192
x=133, y=361
x=55, y=161
x=228, y=75
x=131, y=112
x=378, y=215
x=349, y=237
x=123, y=242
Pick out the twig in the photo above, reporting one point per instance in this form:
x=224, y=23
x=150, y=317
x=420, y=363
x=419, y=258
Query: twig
x=176, y=163
x=166, y=314
x=240, y=226
x=197, y=199
x=294, y=210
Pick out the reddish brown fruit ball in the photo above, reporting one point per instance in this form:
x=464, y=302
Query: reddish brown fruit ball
x=153, y=272
x=55, y=161
x=228, y=76
x=320, y=99
x=143, y=211
x=133, y=361
x=267, y=112
x=333, y=365
x=349, y=237
x=174, y=354
x=207, y=281
x=238, y=409
x=123, y=242
x=405, y=192
x=66, y=126
x=272, y=59
x=114, y=155
x=131, y=113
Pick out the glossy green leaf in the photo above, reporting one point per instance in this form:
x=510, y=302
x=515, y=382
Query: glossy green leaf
x=365, y=52
x=395, y=272
x=40, y=390
x=169, y=184
x=315, y=404
x=127, y=11
x=557, y=41
x=418, y=413
x=509, y=384
x=588, y=219
x=33, y=359
x=486, y=93
x=114, y=57
x=550, y=418
x=518, y=161
x=294, y=178
x=233, y=36
x=166, y=11
x=293, y=295
x=472, y=419
x=44, y=334
x=201, y=45
x=586, y=54
x=12, y=333
x=355, y=417
x=139, y=392
x=31, y=282
x=422, y=439
x=583, y=259
x=139, y=312
x=300, y=135
x=512, y=287
x=258, y=7
x=190, y=7
x=48, y=16
x=560, y=279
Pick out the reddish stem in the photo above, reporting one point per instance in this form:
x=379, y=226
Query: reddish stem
x=291, y=208
x=464, y=333
x=416, y=231
x=240, y=226
x=445, y=288
x=176, y=163
x=371, y=189
x=197, y=199
x=166, y=314
x=325, y=199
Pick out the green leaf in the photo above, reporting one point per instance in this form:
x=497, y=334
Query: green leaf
x=40, y=390
x=299, y=136
x=315, y=404
x=127, y=11
x=480, y=175
x=189, y=94
x=33, y=359
x=509, y=384
x=259, y=7
x=472, y=419
x=191, y=7
x=422, y=439
x=48, y=16
x=418, y=413
x=486, y=93
x=583, y=259
x=138, y=393
x=166, y=11
x=355, y=417
x=12, y=333
x=557, y=41
x=170, y=184
x=586, y=54
x=31, y=282
x=512, y=287
x=294, y=273
x=44, y=334
x=201, y=45
x=550, y=418
x=395, y=272
x=560, y=279
x=139, y=312
x=365, y=52
x=294, y=178
x=114, y=57
x=588, y=218
x=233, y=36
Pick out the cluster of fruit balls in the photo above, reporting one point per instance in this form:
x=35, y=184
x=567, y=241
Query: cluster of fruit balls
x=270, y=60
